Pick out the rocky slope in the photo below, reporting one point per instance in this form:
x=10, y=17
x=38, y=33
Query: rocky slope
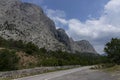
x=85, y=46
x=27, y=22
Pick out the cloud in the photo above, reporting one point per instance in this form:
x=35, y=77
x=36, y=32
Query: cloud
x=97, y=31
x=58, y=16
x=112, y=11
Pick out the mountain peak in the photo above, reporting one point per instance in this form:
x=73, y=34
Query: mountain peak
x=27, y=22
x=85, y=46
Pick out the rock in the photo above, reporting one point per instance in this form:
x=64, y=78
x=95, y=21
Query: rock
x=74, y=46
x=27, y=22
x=81, y=46
x=30, y=24
x=85, y=46
x=63, y=37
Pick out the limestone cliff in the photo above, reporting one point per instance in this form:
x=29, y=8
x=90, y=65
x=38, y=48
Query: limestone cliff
x=27, y=22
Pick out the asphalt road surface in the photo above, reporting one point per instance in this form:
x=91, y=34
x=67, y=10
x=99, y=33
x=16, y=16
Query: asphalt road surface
x=83, y=73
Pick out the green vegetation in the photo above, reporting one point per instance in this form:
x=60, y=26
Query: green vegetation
x=19, y=45
x=9, y=59
x=59, y=58
x=111, y=61
x=112, y=49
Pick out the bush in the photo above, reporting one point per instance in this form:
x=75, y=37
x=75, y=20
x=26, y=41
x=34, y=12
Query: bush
x=30, y=48
x=59, y=58
x=8, y=60
x=112, y=49
x=19, y=45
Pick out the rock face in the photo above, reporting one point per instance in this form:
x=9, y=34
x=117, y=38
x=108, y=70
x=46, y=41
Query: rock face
x=63, y=38
x=85, y=46
x=24, y=21
x=27, y=22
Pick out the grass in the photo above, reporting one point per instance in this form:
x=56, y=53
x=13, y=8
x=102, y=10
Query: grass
x=115, y=68
x=113, y=71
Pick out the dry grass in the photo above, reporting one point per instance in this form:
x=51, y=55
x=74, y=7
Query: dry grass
x=115, y=68
x=26, y=61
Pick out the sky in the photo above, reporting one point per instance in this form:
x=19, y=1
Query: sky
x=94, y=20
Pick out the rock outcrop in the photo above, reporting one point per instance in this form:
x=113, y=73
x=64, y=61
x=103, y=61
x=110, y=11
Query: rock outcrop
x=27, y=22
x=63, y=38
x=85, y=46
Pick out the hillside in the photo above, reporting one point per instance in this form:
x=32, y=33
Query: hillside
x=21, y=55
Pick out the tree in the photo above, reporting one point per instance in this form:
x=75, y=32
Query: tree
x=8, y=60
x=30, y=48
x=112, y=49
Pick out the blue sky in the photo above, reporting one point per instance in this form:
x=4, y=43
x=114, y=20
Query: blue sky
x=94, y=20
x=79, y=9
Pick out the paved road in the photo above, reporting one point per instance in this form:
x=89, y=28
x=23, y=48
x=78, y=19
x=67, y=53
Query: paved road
x=83, y=73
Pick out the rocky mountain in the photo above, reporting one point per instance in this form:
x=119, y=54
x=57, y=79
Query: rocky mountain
x=63, y=38
x=28, y=22
x=85, y=46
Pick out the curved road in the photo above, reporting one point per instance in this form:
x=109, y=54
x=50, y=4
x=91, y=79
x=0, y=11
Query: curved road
x=83, y=73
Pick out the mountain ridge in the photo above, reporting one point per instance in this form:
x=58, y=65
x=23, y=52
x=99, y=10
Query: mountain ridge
x=28, y=22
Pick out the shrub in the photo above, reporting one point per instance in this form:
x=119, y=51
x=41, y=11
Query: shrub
x=30, y=48
x=112, y=49
x=8, y=60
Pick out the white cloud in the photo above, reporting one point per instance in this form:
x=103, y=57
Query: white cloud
x=113, y=5
x=97, y=31
x=112, y=13
x=58, y=16
x=55, y=13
